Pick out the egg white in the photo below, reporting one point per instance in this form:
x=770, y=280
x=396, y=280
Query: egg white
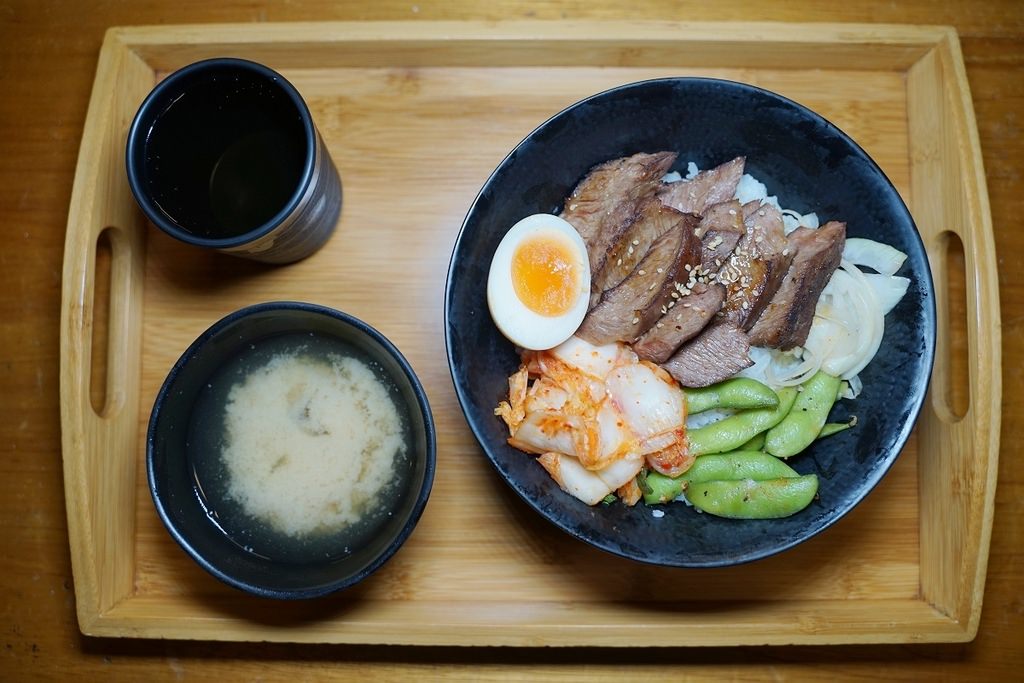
x=521, y=325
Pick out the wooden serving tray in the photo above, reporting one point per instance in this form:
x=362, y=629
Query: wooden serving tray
x=416, y=115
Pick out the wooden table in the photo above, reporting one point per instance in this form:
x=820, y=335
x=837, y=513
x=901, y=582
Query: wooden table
x=48, y=53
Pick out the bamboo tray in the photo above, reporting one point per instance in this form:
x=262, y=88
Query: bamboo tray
x=416, y=115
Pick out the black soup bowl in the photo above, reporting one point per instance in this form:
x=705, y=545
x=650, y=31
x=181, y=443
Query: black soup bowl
x=189, y=504
x=811, y=166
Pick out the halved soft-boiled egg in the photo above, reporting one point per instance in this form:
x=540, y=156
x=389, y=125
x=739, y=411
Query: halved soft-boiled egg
x=539, y=284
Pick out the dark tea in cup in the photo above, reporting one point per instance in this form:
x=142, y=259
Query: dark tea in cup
x=224, y=154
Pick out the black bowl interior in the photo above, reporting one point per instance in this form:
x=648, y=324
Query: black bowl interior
x=811, y=166
x=171, y=478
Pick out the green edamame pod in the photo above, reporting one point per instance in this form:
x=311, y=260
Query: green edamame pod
x=740, y=393
x=738, y=465
x=755, y=444
x=734, y=431
x=831, y=428
x=735, y=465
x=749, y=499
x=806, y=419
x=662, y=489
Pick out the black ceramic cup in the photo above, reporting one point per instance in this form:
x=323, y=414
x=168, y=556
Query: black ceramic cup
x=223, y=154
x=195, y=517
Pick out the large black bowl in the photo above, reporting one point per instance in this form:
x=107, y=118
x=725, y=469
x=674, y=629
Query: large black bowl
x=812, y=166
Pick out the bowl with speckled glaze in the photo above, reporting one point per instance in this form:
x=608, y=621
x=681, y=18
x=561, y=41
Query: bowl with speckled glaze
x=810, y=165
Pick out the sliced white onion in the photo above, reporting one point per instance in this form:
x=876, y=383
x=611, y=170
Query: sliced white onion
x=803, y=372
x=672, y=177
x=852, y=388
x=792, y=220
x=762, y=357
x=866, y=320
x=789, y=223
x=828, y=337
x=889, y=289
x=874, y=314
x=875, y=255
x=836, y=330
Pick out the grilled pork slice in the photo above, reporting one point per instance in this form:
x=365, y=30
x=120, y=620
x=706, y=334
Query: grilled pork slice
x=681, y=322
x=603, y=203
x=716, y=354
x=720, y=231
x=757, y=267
x=652, y=220
x=705, y=189
x=628, y=310
x=787, y=319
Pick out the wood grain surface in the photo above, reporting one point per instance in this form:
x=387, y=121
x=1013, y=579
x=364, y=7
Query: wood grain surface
x=48, y=58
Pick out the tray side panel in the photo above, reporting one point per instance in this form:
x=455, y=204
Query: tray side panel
x=100, y=449
x=958, y=474
x=539, y=624
x=539, y=43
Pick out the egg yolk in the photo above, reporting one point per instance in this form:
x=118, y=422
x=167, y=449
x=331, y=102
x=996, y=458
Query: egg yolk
x=544, y=275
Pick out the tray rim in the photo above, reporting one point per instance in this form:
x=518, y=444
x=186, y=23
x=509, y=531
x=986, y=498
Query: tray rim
x=141, y=50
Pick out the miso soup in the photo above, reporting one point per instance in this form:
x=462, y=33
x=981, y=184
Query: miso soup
x=299, y=447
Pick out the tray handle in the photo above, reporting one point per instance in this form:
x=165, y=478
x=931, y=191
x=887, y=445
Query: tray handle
x=958, y=453
x=100, y=447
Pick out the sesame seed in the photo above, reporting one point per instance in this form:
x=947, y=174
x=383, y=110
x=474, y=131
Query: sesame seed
x=675, y=295
x=785, y=252
x=642, y=271
x=653, y=285
x=687, y=267
x=679, y=316
x=619, y=262
x=661, y=325
x=630, y=251
x=661, y=270
x=636, y=320
x=664, y=310
x=761, y=212
x=687, y=305
x=732, y=212
x=636, y=243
